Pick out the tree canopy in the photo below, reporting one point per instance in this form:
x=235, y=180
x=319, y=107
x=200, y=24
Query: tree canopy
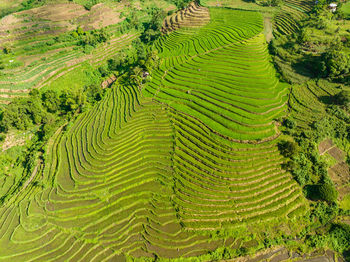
x=335, y=63
x=328, y=192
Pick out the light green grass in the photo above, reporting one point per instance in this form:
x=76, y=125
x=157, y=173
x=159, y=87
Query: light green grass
x=9, y=4
x=345, y=203
x=76, y=79
x=346, y=8
x=239, y=4
x=331, y=161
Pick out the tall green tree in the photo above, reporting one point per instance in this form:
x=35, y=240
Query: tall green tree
x=335, y=63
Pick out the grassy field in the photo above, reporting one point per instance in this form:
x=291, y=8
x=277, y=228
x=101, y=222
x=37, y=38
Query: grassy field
x=83, y=75
x=345, y=203
x=9, y=3
x=346, y=8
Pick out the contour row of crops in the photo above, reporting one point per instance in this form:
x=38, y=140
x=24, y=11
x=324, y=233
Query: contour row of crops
x=156, y=174
x=19, y=81
x=287, y=21
x=192, y=16
x=221, y=74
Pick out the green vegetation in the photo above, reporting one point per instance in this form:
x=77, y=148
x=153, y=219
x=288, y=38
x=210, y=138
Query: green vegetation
x=328, y=192
x=250, y=117
x=174, y=138
x=315, y=60
x=345, y=8
x=343, y=98
x=160, y=177
x=345, y=203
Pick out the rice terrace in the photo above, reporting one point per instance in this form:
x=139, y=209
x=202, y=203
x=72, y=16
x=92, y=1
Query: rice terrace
x=174, y=130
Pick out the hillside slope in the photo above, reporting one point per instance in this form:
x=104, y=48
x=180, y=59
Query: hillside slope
x=183, y=168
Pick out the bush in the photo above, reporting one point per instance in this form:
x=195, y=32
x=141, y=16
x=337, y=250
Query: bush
x=317, y=241
x=342, y=98
x=288, y=123
x=94, y=93
x=181, y=4
x=104, y=71
x=334, y=63
x=328, y=192
x=51, y=101
x=324, y=212
x=340, y=237
x=288, y=148
x=90, y=4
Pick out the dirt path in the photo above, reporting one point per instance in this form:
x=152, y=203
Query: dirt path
x=32, y=176
x=109, y=81
x=268, y=29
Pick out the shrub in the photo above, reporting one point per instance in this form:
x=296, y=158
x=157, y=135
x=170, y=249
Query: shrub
x=104, y=71
x=340, y=237
x=324, y=212
x=289, y=123
x=334, y=63
x=342, y=98
x=51, y=101
x=94, y=93
x=288, y=148
x=328, y=192
x=317, y=241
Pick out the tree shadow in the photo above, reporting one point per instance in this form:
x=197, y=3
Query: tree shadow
x=312, y=192
x=308, y=66
x=327, y=100
x=346, y=255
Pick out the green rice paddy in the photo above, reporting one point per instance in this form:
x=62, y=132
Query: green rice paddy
x=156, y=174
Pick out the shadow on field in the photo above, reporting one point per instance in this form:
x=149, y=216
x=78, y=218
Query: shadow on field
x=328, y=100
x=307, y=66
x=312, y=192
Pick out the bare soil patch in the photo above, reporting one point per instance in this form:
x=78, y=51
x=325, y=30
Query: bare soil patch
x=13, y=139
x=268, y=28
x=324, y=146
x=109, y=81
x=13, y=91
x=7, y=21
x=337, y=154
x=57, y=12
x=99, y=16
x=340, y=172
x=53, y=19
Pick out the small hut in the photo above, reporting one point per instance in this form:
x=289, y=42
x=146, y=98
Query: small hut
x=333, y=7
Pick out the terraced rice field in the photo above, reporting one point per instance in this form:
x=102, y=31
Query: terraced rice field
x=305, y=102
x=155, y=174
x=287, y=21
x=111, y=191
x=192, y=16
x=17, y=82
x=221, y=94
x=210, y=73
